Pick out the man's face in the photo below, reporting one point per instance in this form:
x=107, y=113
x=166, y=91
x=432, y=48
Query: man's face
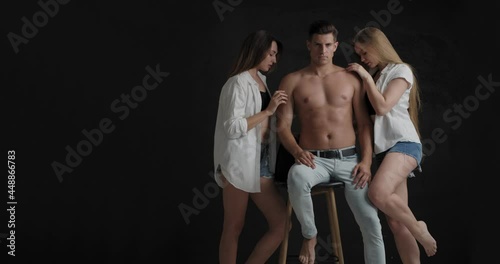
x=321, y=48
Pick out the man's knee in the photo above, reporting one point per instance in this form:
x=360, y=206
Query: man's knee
x=371, y=222
x=296, y=177
x=369, y=219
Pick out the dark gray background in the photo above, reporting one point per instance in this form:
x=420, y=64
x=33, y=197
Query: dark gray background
x=121, y=202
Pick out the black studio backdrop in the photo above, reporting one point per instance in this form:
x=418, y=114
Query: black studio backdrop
x=110, y=107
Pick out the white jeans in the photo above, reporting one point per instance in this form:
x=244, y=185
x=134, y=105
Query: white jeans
x=302, y=178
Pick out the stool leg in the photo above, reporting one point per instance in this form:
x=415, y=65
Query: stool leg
x=284, y=243
x=334, y=225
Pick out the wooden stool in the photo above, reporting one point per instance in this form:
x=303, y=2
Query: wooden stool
x=328, y=190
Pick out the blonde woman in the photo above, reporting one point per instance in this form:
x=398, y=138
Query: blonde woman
x=394, y=97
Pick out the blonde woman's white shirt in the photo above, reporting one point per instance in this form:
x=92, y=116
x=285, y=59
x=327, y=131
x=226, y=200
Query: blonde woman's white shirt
x=396, y=125
x=236, y=150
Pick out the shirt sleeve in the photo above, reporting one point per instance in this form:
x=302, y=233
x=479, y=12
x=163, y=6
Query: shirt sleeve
x=234, y=101
x=402, y=71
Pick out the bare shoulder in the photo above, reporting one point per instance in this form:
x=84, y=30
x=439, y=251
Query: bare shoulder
x=294, y=76
x=351, y=77
x=290, y=80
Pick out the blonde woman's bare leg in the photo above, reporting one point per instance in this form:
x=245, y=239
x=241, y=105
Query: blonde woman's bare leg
x=407, y=246
x=395, y=169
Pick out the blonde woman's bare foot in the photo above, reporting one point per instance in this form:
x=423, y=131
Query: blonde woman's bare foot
x=307, y=252
x=426, y=240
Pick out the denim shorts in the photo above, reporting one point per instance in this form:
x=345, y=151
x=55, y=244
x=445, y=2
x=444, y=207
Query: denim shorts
x=412, y=149
x=264, y=162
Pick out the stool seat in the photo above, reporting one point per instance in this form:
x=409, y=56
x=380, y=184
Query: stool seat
x=329, y=184
x=320, y=185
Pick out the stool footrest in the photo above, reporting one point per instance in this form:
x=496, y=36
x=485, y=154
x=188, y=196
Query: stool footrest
x=293, y=259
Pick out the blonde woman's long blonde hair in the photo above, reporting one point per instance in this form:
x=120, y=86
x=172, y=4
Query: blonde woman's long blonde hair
x=376, y=39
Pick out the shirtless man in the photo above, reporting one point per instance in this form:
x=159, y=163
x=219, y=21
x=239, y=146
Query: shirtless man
x=327, y=99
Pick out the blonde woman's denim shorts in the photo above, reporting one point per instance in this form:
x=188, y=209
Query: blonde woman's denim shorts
x=412, y=149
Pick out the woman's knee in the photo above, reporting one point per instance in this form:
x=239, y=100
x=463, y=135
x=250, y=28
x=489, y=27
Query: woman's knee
x=280, y=230
x=277, y=227
x=376, y=196
x=234, y=226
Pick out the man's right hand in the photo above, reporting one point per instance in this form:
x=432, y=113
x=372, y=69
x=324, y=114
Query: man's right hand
x=306, y=158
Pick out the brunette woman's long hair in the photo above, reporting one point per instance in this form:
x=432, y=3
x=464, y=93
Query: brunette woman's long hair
x=253, y=50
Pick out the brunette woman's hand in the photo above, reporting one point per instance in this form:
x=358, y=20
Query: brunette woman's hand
x=279, y=97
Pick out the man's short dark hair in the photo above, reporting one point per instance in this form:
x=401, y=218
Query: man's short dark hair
x=322, y=27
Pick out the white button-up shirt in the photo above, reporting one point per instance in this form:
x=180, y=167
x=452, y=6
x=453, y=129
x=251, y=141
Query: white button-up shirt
x=396, y=125
x=236, y=150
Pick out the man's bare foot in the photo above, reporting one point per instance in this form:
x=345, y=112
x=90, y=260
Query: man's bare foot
x=307, y=252
x=426, y=240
